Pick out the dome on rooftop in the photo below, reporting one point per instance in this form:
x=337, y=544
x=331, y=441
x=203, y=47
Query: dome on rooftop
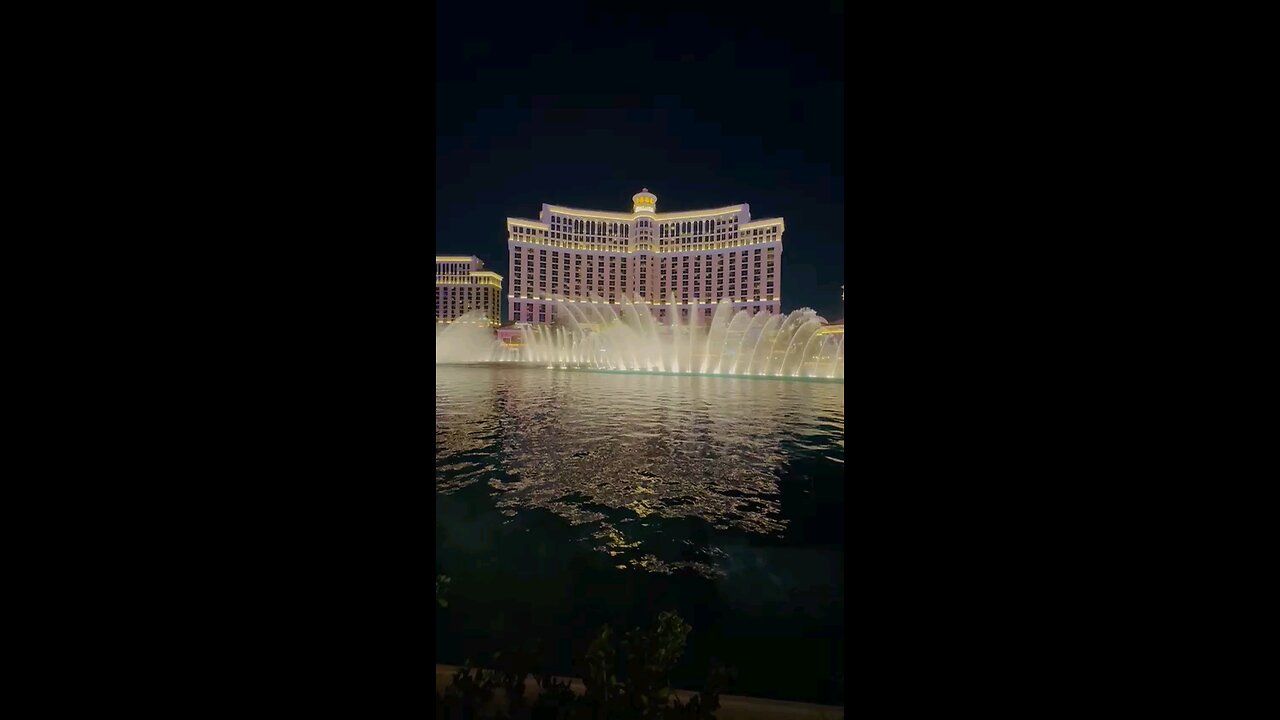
x=644, y=201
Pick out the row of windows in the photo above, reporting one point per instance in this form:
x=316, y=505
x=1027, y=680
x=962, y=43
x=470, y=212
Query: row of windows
x=556, y=260
x=528, y=313
x=577, y=278
x=590, y=231
x=467, y=291
x=453, y=268
x=517, y=249
x=698, y=227
x=585, y=226
x=518, y=252
x=699, y=278
x=659, y=273
x=542, y=252
x=669, y=233
x=746, y=295
x=703, y=240
x=665, y=228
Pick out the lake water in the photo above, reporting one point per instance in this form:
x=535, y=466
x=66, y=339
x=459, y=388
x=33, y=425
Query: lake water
x=570, y=499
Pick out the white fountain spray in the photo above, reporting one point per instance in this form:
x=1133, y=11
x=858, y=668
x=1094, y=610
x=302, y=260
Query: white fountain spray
x=627, y=336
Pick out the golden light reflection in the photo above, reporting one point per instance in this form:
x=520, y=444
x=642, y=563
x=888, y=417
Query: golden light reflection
x=662, y=455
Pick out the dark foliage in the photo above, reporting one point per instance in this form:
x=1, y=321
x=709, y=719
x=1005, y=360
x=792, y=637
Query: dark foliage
x=639, y=689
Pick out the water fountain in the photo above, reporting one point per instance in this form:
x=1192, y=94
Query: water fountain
x=468, y=339
x=598, y=335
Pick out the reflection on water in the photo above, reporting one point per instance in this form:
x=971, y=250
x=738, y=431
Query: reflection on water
x=631, y=455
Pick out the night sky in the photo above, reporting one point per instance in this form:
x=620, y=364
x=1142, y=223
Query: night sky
x=583, y=106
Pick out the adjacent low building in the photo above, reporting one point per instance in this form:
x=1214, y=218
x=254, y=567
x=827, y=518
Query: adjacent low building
x=679, y=263
x=462, y=285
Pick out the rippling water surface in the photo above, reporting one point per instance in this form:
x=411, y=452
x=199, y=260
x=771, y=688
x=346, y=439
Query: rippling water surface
x=568, y=499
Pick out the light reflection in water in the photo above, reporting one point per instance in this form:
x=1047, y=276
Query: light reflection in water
x=637, y=459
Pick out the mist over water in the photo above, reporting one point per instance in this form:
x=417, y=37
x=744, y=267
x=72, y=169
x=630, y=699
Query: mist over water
x=627, y=336
x=469, y=339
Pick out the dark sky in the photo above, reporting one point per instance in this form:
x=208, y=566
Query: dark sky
x=577, y=105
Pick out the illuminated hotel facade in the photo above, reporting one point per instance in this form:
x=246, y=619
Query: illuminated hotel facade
x=462, y=284
x=680, y=263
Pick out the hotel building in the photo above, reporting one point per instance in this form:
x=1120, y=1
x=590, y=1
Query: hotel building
x=681, y=262
x=463, y=284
